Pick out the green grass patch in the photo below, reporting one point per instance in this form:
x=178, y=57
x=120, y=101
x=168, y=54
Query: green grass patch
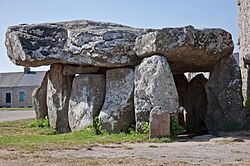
x=247, y=104
x=34, y=135
x=15, y=109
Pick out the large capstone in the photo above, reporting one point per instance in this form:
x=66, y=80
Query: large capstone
x=154, y=86
x=225, y=100
x=100, y=44
x=86, y=100
x=39, y=97
x=80, y=42
x=187, y=49
x=58, y=94
x=117, y=112
x=195, y=104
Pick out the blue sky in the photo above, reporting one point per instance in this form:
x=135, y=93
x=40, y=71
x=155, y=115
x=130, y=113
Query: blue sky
x=136, y=13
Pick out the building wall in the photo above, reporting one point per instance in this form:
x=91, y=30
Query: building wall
x=3, y=91
x=15, y=96
x=244, y=40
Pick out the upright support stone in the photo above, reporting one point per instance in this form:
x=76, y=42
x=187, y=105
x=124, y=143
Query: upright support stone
x=86, y=100
x=154, y=86
x=159, y=122
x=225, y=100
x=195, y=104
x=117, y=112
x=58, y=94
x=39, y=97
x=181, y=83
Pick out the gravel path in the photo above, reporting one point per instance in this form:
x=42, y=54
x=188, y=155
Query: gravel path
x=6, y=116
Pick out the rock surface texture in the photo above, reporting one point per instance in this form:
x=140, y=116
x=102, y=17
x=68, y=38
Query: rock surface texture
x=154, y=86
x=39, y=97
x=225, y=100
x=117, y=112
x=58, y=94
x=138, y=65
x=244, y=44
x=86, y=100
x=159, y=122
x=186, y=45
x=195, y=104
x=74, y=42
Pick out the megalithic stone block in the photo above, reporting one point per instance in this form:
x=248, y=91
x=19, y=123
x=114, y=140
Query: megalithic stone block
x=39, y=97
x=58, y=94
x=86, y=100
x=117, y=112
x=154, y=86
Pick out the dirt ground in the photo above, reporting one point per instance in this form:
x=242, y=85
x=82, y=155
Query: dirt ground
x=204, y=150
x=229, y=149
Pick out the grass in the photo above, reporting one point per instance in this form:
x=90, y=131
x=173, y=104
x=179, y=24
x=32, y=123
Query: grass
x=15, y=109
x=20, y=135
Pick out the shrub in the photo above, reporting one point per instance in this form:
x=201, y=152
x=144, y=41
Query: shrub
x=175, y=127
x=41, y=123
x=231, y=126
x=247, y=104
x=97, y=126
x=146, y=128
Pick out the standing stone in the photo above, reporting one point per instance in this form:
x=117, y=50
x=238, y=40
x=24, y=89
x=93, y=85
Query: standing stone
x=86, y=100
x=225, y=100
x=117, y=112
x=39, y=97
x=154, y=86
x=181, y=83
x=58, y=93
x=195, y=104
x=159, y=122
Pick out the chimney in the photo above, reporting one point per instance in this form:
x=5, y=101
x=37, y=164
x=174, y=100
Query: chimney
x=26, y=70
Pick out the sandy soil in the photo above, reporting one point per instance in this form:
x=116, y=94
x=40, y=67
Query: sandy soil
x=6, y=116
x=205, y=150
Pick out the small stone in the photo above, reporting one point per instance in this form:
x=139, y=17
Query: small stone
x=159, y=122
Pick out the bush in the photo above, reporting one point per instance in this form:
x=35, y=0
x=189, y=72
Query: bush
x=97, y=126
x=146, y=128
x=41, y=123
x=175, y=127
x=232, y=126
x=247, y=104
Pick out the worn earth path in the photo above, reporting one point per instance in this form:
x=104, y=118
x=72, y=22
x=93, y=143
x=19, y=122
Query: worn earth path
x=205, y=150
x=229, y=149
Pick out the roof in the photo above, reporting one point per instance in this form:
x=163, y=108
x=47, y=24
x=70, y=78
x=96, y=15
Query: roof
x=18, y=79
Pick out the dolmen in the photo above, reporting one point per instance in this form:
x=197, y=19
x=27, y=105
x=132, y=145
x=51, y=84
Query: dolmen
x=120, y=74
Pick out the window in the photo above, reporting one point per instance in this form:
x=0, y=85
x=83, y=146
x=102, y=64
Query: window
x=8, y=97
x=21, y=96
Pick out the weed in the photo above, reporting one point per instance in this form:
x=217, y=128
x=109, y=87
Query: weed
x=146, y=128
x=97, y=126
x=231, y=126
x=247, y=104
x=41, y=123
x=175, y=128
